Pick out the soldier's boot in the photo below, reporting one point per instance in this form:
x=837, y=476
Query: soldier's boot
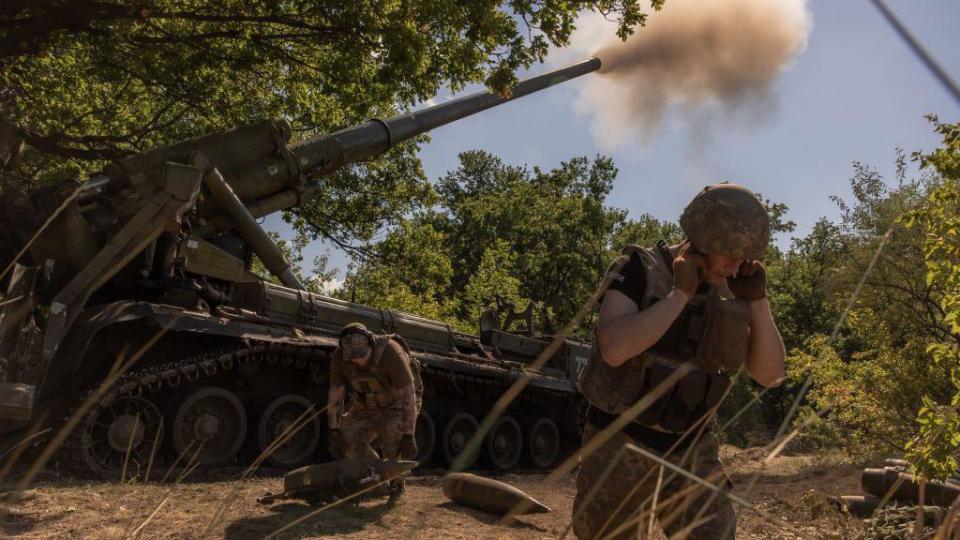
x=397, y=490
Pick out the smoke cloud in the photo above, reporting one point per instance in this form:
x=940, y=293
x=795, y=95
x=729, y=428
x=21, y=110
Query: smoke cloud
x=703, y=58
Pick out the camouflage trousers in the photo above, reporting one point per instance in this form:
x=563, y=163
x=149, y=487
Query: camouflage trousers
x=628, y=492
x=361, y=428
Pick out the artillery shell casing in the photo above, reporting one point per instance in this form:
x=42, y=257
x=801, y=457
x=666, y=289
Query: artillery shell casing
x=489, y=495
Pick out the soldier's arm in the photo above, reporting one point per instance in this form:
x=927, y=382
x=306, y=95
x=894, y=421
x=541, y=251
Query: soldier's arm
x=408, y=397
x=765, y=361
x=335, y=398
x=336, y=394
x=624, y=331
x=398, y=371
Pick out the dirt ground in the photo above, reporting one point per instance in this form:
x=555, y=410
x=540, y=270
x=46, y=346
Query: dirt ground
x=792, y=490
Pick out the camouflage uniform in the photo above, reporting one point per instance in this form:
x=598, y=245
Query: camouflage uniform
x=712, y=334
x=361, y=428
x=379, y=409
x=621, y=490
x=634, y=480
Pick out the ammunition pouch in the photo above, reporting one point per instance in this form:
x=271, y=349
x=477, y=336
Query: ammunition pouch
x=369, y=394
x=723, y=343
x=683, y=405
x=677, y=408
x=610, y=388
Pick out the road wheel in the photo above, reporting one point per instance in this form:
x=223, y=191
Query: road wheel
x=457, y=432
x=209, y=423
x=503, y=445
x=542, y=443
x=426, y=437
x=276, y=419
x=122, y=436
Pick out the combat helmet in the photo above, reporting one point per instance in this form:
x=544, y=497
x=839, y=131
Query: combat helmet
x=356, y=328
x=356, y=341
x=727, y=219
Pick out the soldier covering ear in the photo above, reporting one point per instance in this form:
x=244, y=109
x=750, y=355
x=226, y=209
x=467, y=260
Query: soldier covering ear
x=700, y=305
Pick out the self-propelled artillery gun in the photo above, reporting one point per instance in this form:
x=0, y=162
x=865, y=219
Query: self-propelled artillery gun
x=131, y=292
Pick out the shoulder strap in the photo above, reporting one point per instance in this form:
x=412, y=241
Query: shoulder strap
x=399, y=339
x=379, y=345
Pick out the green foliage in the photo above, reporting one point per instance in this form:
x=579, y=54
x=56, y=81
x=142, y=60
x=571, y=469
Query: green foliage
x=554, y=221
x=889, y=377
x=873, y=393
x=89, y=80
x=494, y=278
x=410, y=276
x=935, y=448
x=800, y=283
x=896, y=288
x=525, y=235
x=646, y=231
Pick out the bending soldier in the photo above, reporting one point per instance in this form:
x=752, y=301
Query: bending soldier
x=700, y=305
x=385, y=391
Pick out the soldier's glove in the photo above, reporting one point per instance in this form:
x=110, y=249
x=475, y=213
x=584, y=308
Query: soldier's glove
x=750, y=283
x=407, y=447
x=336, y=444
x=687, y=267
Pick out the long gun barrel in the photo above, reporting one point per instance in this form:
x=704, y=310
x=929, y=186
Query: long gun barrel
x=267, y=174
x=327, y=154
x=377, y=136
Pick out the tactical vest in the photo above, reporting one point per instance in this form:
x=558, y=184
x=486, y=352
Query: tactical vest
x=369, y=388
x=714, y=336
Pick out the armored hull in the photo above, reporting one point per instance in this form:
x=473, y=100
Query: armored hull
x=221, y=387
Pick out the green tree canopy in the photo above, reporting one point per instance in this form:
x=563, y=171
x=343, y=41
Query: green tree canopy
x=890, y=376
x=86, y=81
x=554, y=222
x=518, y=233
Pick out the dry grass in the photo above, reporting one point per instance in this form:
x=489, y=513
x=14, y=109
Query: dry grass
x=791, y=488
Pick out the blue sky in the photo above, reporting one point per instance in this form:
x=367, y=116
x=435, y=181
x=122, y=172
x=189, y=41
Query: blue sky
x=855, y=94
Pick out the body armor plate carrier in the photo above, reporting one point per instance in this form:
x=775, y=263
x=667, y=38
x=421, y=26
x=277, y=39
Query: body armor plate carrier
x=369, y=388
x=711, y=332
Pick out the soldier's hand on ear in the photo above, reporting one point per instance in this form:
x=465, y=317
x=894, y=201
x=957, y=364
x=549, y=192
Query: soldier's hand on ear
x=750, y=283
x=687, y=268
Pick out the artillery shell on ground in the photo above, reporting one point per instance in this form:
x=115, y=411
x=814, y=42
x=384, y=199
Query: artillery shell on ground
x=879, y=482
x=338, y=479
x=489, y=495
